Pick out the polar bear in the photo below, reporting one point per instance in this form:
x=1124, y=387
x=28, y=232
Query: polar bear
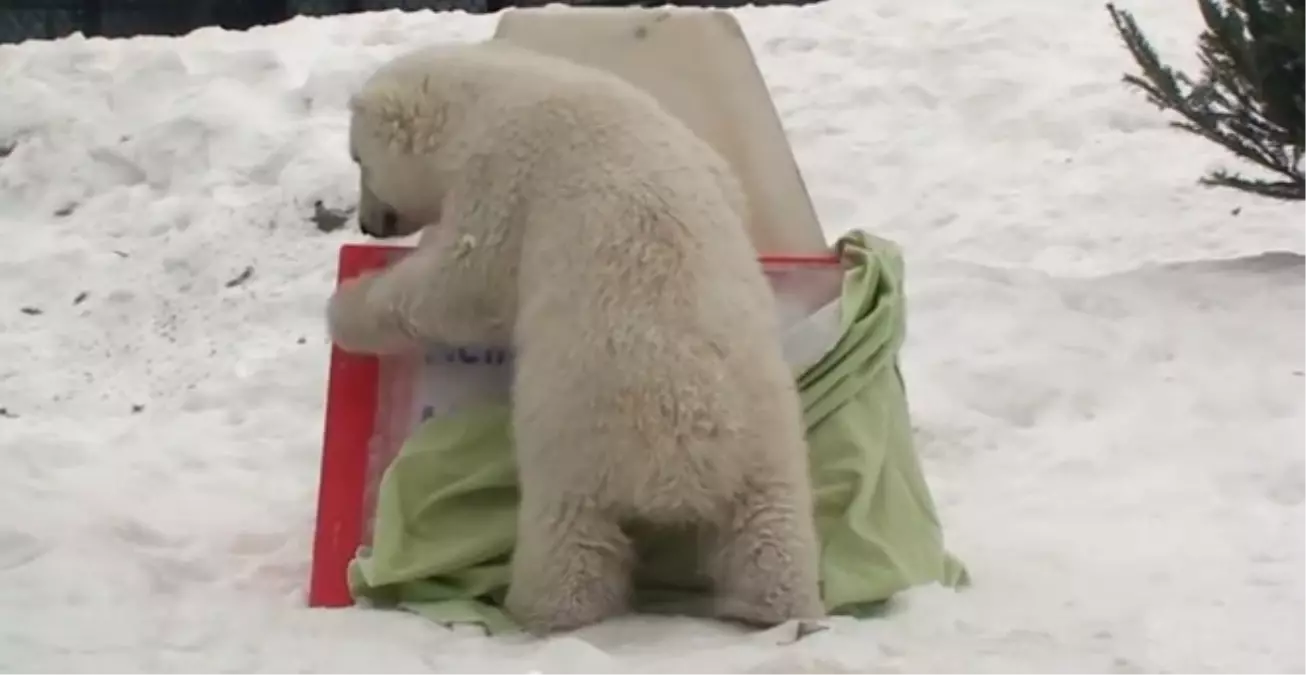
x=565, y=212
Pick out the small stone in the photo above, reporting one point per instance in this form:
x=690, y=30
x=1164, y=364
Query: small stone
x=241, y=278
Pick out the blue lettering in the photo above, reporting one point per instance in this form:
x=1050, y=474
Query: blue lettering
x=491, y=356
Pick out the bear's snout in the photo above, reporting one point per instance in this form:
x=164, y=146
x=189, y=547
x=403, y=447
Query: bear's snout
x=376, y=218
x=388, y=226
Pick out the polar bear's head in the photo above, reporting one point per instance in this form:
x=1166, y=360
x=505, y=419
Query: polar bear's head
x=397, y=121
x=397, y=195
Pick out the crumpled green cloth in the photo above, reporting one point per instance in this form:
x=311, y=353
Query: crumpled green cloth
x=445, y=519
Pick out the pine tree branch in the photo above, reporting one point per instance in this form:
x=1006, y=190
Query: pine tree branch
x=1288, y=190
x=1163, y=91
x=1249, y=97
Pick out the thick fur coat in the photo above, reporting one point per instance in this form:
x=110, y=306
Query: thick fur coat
x=565, y=212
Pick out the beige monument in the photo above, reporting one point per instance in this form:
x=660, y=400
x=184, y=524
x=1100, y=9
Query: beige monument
x=698, y=63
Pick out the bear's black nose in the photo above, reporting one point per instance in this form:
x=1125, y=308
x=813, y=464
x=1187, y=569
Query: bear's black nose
x=388, y=223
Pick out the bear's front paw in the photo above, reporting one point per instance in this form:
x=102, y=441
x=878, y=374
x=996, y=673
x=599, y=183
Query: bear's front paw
x=357, y=322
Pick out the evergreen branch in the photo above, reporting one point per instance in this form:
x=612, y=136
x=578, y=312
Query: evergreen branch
x=1163, y=90
x=1287, y=190
x=1241, y=146
x=1250, y=93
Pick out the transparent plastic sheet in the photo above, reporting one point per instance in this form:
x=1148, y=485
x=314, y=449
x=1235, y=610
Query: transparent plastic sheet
x=453, y=378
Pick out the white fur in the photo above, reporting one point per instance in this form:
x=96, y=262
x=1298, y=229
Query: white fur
x=566, y=212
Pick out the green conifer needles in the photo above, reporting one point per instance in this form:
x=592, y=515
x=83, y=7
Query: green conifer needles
x=1249, y=96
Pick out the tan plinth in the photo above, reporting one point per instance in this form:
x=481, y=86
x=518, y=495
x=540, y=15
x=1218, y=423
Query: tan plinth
x=698, y=64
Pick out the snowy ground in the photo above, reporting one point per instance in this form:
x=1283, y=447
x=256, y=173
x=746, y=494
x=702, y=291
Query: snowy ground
x=1105, y=360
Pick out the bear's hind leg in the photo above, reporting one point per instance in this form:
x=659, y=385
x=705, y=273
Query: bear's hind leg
x=765, y=558
x=572, y=567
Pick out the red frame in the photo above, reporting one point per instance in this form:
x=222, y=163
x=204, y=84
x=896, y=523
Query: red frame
x=350, y=418
x=353, y=390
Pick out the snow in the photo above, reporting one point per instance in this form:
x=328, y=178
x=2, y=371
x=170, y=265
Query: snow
x=1105, y=360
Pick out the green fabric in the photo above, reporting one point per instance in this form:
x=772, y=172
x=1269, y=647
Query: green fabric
x=446, y=509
